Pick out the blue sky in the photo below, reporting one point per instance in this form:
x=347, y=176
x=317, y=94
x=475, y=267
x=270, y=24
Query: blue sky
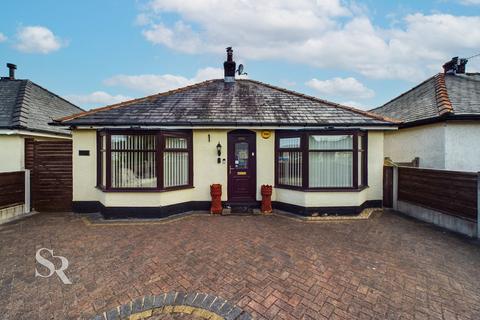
x=361, y=53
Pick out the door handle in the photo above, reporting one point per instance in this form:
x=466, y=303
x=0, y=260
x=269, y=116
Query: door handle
x=230, y=169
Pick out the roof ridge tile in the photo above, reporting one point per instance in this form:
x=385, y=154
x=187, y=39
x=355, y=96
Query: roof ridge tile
x=20, y=114
x=444, y=104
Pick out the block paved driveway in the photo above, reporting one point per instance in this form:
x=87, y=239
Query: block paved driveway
x=388, y=267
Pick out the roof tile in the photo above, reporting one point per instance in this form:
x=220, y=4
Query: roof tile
x=215, y=102
x=437, y=96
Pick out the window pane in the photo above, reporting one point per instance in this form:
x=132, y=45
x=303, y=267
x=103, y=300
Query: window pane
x=175, y=169
x=290, y=168
x=241, y=155
x=133, y=142
x=361, y=181
x=132, y=166
x=330, y=142
x=360, y=143
x=330, y=169
x=289, y=142
x=133, y=170
x=175, y=143
x=104, y=168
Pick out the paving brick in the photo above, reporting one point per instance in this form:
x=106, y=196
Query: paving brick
x=275, y=267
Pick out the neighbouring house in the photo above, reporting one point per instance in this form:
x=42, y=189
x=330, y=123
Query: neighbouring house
x=25, y=112
x=440, y=121
x=158, y=155
x=27, y=141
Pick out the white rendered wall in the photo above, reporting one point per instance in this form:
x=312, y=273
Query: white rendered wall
x=426, y=142
x=462, y=146
x=12, y=149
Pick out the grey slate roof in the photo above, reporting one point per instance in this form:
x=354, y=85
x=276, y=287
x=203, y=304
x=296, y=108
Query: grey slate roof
x=439, y=95
x=464, y=93
x=25, y=105
x=216, y=103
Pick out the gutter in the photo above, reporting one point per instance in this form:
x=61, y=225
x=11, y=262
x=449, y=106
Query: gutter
x=445, y=117
x=225, y=124
x=38, y=133
x=299, y=127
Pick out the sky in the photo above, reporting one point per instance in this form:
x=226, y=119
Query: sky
x=359, y=53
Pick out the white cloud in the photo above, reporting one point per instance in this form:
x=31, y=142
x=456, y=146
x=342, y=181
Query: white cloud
x=96, y=98
x=356, y=104
x=470, y=2
x=37, y=39
x=155, y=83
x=3, y=37
x=341, y=87
x=325, y=34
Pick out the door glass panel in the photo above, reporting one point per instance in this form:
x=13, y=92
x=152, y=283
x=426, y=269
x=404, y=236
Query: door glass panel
x=241, y=155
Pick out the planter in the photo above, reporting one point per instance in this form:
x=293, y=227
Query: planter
x=266, y=192
x=216, y=193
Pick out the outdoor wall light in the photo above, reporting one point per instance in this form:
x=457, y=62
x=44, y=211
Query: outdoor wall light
x=219, y=152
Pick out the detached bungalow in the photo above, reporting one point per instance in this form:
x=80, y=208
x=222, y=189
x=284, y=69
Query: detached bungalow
x=158, y=155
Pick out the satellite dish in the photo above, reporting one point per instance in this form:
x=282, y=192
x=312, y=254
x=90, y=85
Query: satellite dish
x=240, y=70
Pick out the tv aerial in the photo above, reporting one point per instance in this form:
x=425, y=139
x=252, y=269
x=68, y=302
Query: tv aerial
x=240, y=70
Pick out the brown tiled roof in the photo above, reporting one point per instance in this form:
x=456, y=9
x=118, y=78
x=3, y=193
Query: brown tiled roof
x=439, y=96
x=216, y=103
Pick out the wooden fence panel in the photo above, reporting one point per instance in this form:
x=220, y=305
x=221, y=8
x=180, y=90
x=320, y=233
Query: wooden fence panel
x=12, y=188
x=52, y=176
x=388, y=187
x=451, y=192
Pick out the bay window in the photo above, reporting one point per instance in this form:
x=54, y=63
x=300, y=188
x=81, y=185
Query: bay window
x=321, y=160
x=144, y=160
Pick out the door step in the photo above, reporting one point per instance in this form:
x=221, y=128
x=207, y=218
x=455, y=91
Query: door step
x=242, y=208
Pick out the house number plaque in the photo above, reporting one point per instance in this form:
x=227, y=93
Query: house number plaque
x=266, y=134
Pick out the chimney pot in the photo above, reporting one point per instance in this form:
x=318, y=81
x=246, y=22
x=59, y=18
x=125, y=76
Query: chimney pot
x=229, y=66
x=455, y=66
x=11, y=70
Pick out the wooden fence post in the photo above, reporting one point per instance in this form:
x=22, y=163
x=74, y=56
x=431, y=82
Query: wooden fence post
x=395, y=188
x=27, y=191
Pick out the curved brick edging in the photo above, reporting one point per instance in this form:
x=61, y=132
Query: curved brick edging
x=199, y=304
x=364, y=215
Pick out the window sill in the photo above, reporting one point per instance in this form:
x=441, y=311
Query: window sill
x=359, y=189
x=146, y=190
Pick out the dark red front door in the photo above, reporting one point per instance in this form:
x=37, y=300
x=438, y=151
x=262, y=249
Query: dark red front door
x=241, y=166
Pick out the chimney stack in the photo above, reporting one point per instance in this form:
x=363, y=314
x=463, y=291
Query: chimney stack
x=11, y=70
x=455, y=66
x=229, y=66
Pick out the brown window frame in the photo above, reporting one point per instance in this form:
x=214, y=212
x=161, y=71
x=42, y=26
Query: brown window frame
x=359, y=183
x=159, y=151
